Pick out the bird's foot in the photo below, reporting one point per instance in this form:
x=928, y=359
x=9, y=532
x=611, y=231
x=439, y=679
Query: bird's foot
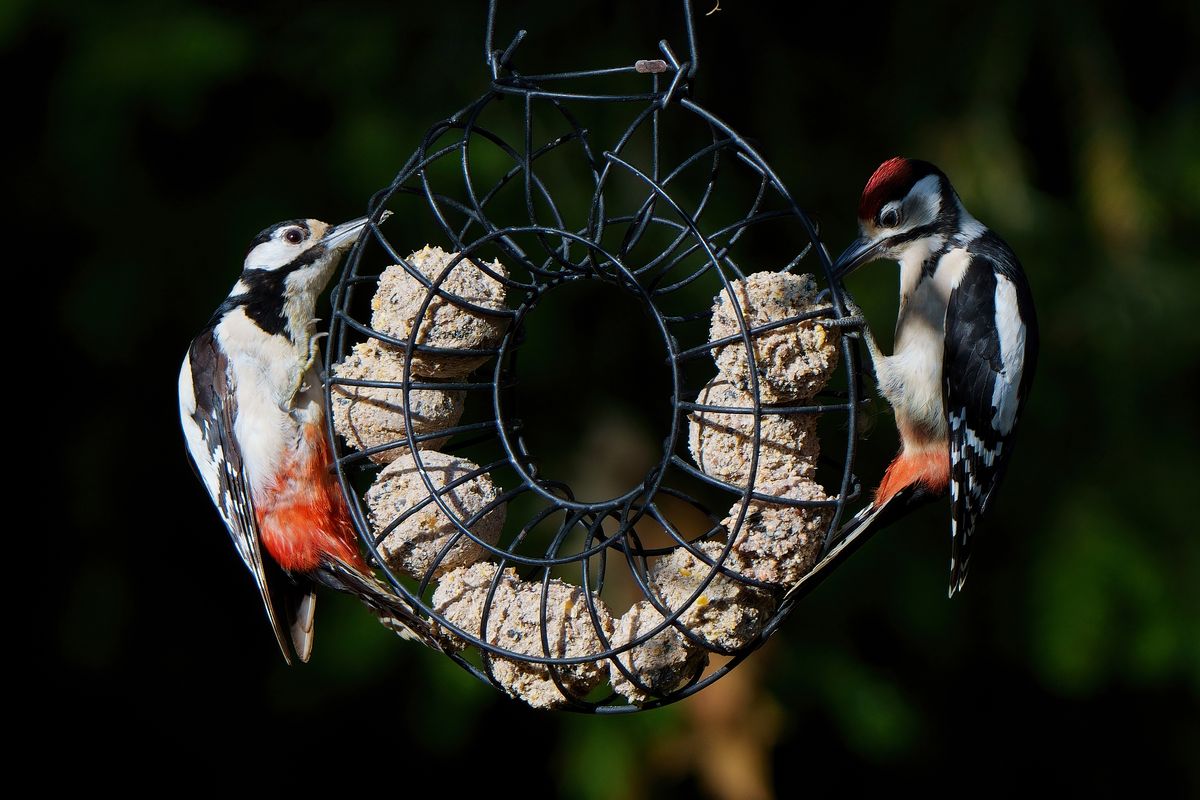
x=855, y=319
x=853, y=323
x=302, y=385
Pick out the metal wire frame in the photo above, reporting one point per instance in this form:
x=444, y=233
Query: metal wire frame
x=464, y=224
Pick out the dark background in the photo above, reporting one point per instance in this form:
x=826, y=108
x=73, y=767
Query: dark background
x=163, y=135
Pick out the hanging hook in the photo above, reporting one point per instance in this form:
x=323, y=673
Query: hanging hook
x=492, y=57
x=487, y=34
x=495, y=59
x=690, y=22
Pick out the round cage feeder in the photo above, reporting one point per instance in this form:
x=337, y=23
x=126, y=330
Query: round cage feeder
x=612, y=604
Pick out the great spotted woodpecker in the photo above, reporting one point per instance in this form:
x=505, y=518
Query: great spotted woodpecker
x=965, y=347
x=252, y=410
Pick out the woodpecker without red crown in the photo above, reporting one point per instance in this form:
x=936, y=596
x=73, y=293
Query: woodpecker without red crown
x=252, y=410
x=965, y=347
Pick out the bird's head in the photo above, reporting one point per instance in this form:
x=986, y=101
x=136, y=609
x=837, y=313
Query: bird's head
x=905, y=202
x=300, y=254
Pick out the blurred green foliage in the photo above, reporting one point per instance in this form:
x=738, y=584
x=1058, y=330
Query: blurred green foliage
x=164, y=134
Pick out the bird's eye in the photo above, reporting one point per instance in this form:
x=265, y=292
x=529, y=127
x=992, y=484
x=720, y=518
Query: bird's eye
x=890, y=218
x=294, y=235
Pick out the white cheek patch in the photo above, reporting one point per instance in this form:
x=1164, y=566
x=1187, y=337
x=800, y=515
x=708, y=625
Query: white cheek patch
x=923, y=202
x=273, y=254
x=1011, y=332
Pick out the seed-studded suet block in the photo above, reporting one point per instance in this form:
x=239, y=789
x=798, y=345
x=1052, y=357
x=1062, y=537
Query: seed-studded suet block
x=778, y=543
x=661, y=664
x=722, y=443
x=727, y=614
x=448, y=322
x=371, y=417
x=415, y=542
x=794, y=361
x=514, y=622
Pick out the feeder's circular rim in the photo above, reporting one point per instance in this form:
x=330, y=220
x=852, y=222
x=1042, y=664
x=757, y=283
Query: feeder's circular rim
x=638, y=503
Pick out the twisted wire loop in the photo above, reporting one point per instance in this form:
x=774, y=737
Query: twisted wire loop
x=517, y=177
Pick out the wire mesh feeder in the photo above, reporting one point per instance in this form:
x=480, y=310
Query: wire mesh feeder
x=658, y=200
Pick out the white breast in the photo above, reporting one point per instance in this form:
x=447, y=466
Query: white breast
x=270, y=419
x=911, y=378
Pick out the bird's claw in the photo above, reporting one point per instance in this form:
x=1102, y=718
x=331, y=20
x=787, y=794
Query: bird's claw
x=300, y=386
x=842, y=323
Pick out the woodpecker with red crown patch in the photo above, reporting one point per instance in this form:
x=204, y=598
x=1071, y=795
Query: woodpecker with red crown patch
x=965, y=347
x=252, y=409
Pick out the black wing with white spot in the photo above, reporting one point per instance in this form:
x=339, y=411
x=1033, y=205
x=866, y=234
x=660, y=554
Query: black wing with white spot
x=208, y=409
x=991, y=349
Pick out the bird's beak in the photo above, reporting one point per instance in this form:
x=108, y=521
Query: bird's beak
x=342, y=236
x=860, y=251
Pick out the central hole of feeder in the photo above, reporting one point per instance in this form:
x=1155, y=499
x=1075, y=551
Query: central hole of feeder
x=593, y=389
